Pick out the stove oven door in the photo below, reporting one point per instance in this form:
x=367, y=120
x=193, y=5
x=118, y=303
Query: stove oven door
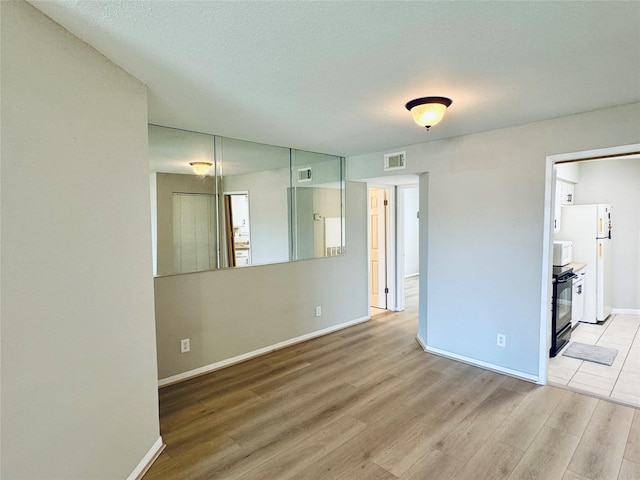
x=561, y=316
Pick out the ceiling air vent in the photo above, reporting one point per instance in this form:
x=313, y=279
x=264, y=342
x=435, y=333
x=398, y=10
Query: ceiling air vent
x=304, y=174
x=395, y=161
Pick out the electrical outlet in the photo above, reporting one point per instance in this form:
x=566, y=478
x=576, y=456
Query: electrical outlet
x=501, y=340
x=318, y=311
x=185, y=345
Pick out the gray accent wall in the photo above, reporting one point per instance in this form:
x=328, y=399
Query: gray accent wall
x=79, y=390
x=482, y=237
x=233, y=312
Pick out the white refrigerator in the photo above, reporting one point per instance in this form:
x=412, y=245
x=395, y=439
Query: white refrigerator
x=589, y=228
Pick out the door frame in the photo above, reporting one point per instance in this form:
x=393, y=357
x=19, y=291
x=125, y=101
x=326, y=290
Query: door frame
x=547, y=257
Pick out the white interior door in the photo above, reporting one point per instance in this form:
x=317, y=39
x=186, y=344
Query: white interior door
x=377, y=248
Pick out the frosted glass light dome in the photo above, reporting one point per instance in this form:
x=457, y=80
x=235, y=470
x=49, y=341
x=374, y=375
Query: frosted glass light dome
x=428, y=111
x=200, y=168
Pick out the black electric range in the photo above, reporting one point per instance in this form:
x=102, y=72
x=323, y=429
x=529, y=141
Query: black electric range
x=561, y=308
x=559, y=271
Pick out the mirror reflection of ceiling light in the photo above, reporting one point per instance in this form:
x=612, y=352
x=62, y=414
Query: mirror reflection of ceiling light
x=200, y=168
x=428, y=111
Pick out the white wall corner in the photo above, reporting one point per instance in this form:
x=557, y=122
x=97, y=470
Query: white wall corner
x=478, y=363
x=146, y=462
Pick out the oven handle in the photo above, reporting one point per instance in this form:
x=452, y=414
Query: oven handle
x=568, y=279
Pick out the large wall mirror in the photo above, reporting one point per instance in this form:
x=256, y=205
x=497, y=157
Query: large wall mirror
x=257, y=204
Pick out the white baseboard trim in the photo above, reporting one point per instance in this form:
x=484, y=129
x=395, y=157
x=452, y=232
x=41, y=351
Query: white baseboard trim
x=478, y=363
x=625, y=311
x=147, y=460
x=163, y=382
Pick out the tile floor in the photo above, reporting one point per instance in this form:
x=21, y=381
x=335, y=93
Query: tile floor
x=620, y=381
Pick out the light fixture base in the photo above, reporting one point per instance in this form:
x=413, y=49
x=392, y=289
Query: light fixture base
x=425, y=100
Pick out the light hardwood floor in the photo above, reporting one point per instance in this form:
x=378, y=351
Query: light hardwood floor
x=368, y=403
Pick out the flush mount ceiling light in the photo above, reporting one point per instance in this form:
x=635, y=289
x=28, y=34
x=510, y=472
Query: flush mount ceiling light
x=200, y=168
x=427, y=111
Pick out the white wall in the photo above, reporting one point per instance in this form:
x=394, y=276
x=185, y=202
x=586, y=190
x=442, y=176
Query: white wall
x=79, y=397
x=411, y=225
x=233, y=312
x=481, y=250
x=268, y=212
x=617, y=182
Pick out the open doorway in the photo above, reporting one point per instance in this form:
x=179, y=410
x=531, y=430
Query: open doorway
x=409, y=248
x=237, y=228
x=605, y=177
x=393, y=243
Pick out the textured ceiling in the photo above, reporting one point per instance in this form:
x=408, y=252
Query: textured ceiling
x=334, y=76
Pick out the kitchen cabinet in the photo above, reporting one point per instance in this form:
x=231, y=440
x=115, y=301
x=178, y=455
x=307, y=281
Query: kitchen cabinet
x=564, y=195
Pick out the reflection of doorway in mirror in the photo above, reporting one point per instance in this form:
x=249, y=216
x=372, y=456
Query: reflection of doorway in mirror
x=237, y=228
x=377, y=247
